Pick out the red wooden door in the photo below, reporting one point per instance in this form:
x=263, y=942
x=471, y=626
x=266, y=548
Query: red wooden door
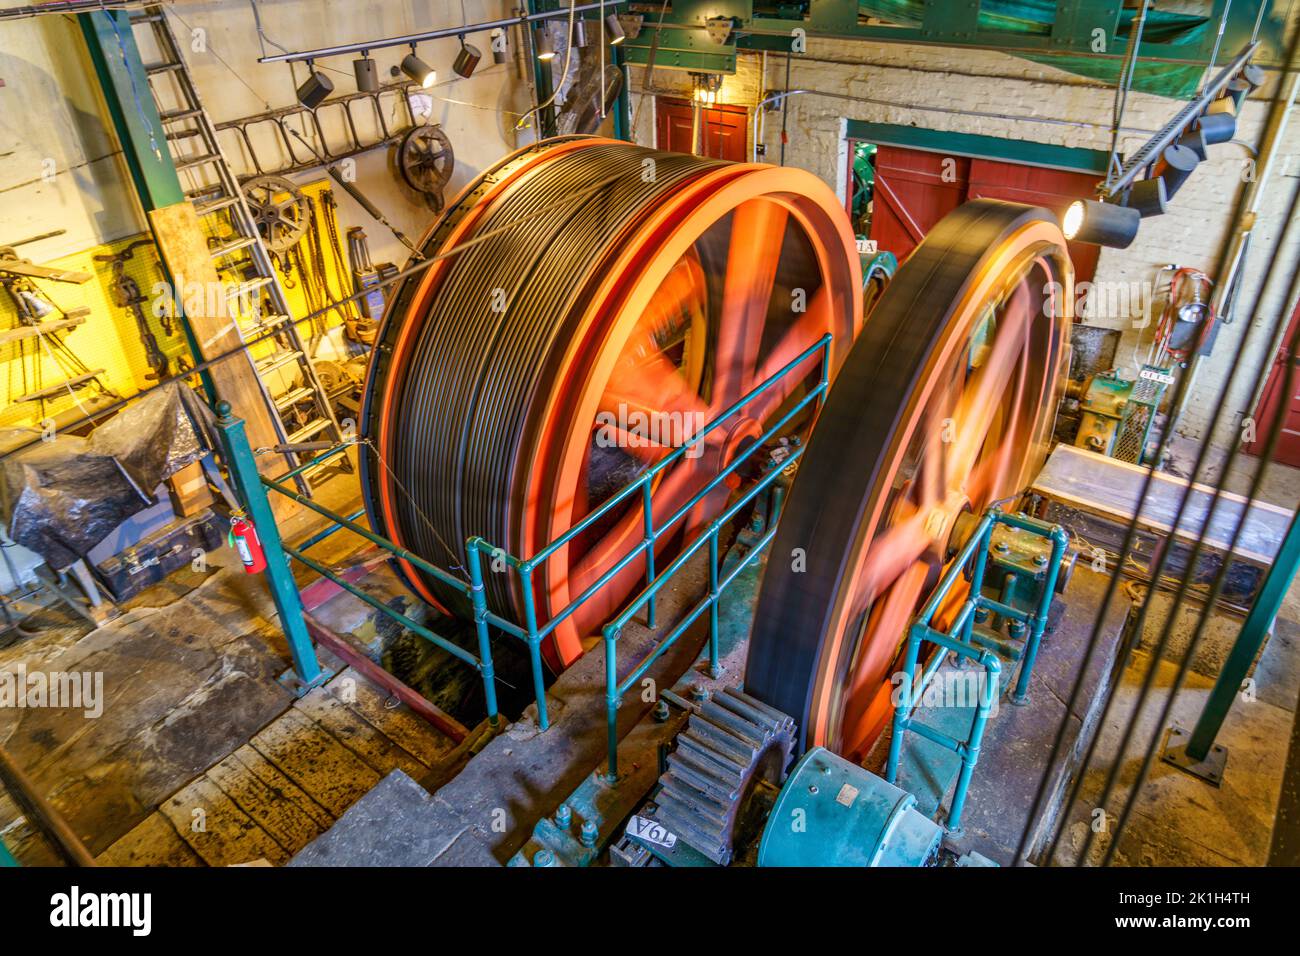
x=724, y=132
x=1275, y=402
x=915, y=189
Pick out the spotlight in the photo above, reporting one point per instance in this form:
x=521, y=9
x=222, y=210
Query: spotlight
x=499, y=45
x=466, y=60
x=631, y=24
x=579, y=33
x=615, y=30
x=315, y=88
x=1253, y=75
x=1148, y=197
x=1101, y=223
x=1238, y=90
x=366, y=73
x=1194, y=140
x=545, y=45
x=1217, y=127
x=1178, y=164
x=418, y=70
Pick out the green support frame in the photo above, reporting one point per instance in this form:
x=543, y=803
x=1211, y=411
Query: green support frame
x=1046, y=155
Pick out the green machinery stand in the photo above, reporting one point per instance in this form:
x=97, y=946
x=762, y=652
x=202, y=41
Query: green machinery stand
x=1197, y=753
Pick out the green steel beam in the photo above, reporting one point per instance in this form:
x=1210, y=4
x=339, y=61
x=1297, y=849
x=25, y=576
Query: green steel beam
x=121, y=74
x=1046, y=155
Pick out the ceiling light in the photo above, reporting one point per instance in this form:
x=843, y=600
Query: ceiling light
x=366, y=73
x=1101, y=223
x=315, y=88
x=545, y=45
x=615, y=30
x=1217, y=127
x=418, y=70
x=1177, y=164
x=1149, y=197
x=466, y=60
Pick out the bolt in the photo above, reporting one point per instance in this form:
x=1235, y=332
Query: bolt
x=588, y=834
x=981, y=615
x=563, y=816
x=661, y=711
x=1040, y=560
x=699, y=692
x=1001, y=547
x=544, y=857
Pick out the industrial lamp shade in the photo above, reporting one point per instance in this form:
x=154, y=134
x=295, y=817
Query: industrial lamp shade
x=466, y=60
x=1101, y=223
x=314, y=89
x=1217, y=127
x=615, y=30
x=1149, y=197
x=1179, y=162
x=418, y=70
x=367, y=74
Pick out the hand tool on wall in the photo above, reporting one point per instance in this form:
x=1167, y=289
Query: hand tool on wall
x=127, y=295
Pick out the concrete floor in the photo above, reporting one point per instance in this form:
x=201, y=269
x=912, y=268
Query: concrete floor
x=1178, y=819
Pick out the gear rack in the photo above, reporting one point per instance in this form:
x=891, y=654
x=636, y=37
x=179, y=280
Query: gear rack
x=299, y=406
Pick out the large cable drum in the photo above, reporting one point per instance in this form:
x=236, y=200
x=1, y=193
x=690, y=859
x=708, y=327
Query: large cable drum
x=580, y=290
x=944, y=406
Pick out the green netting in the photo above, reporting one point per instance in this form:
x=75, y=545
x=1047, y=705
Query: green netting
x=1176, y=30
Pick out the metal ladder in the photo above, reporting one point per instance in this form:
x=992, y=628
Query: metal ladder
x=214, y=190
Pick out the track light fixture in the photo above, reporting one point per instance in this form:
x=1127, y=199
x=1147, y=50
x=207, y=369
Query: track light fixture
x=466, y=60
x=1149, y=197
x=1217, y=127
x=1177, y=164
x=614, y=28
x=315, y=88
x=367, y=74
x=579, y=33
x=545, y=45
x=1101, y=223
x=418, y=70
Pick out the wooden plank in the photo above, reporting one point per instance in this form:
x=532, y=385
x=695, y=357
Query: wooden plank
x=332, y=774
x=153, y=842
x=341, y=645
x=270, y=775
x=184, y=249
x=229, y=836
x=40, y=328
x=32, y=271
x=1111, y=488
x=352, y=730
x=268, y=807
x=399, y=724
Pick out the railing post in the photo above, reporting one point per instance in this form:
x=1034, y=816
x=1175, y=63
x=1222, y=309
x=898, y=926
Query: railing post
x=284, y=590
x=904, y=706
x=647, y=507
x=715, y=668
x=1059, y=542
x=534, y=644
x=970, y=755
x=611, y=701
x=479, y=601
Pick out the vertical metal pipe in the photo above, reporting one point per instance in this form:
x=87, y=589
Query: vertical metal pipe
x=534, y=646
x=904, y=706
x=647, y=508
x=970, y=754
x=1039, y=622
x=611, y=701
x=479, y=600
x=715, y=670
x=284, y=590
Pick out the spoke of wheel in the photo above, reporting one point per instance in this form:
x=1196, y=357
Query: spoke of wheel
x=890, y=554
x=655, y=387
x=757, y=231
x=800, y=337
x=868, y=700
x=982, y=397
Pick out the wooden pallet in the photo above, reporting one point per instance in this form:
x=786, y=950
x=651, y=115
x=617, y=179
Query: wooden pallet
x=291, y=781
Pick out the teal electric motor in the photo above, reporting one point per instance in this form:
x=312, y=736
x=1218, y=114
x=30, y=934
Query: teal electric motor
x=834, y=813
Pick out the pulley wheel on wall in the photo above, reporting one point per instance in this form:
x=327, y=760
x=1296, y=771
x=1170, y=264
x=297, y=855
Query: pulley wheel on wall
x=426, y=160
x=608, y=302
x=280, y=209
x=944, y=405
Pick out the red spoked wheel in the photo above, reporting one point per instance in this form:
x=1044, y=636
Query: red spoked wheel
x=944, y=405
x=611, y=300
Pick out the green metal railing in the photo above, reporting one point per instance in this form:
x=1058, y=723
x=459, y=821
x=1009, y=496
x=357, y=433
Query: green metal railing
x=974, y=555
x=253, y=488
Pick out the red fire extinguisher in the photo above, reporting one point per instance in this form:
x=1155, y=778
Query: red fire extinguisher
x=244, y=539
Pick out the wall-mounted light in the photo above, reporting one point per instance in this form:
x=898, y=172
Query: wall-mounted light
x=466, y=60
x=1101, y=223
x=315, y=88
x=545, y=45
x=367, y=74
x=418, y=70
x=500, y=46
x=614, y=30
x=707, y=87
